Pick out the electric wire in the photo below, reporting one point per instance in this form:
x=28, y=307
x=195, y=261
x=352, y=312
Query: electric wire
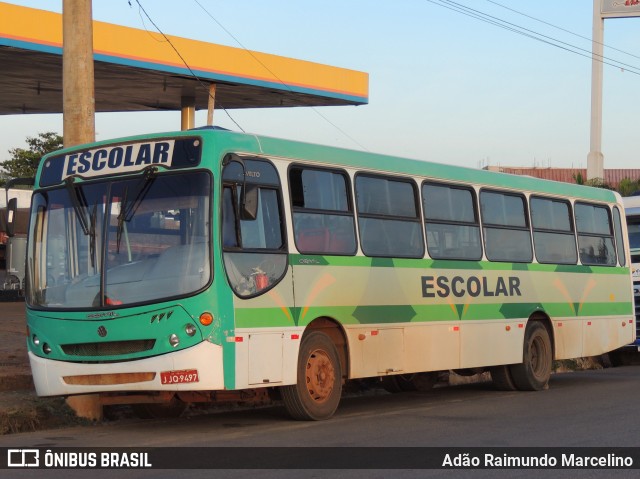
x=288, y=87
x=562, y=29
x=464, y=10
x=205, y=87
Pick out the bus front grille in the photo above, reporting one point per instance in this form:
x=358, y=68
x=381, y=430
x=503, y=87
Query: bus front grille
x=112, y=348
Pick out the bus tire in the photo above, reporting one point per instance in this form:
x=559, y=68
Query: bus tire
x=534, y=372
x=317, y=392
x=501, y=378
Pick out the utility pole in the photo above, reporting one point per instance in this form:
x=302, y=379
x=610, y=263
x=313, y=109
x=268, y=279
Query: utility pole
x=78, y=96
x=78, y=117
x=595, y=159
x=602, y=9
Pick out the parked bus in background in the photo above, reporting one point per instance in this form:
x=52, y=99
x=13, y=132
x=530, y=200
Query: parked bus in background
x=13, y=243
x=632, y=212
x=202, y=265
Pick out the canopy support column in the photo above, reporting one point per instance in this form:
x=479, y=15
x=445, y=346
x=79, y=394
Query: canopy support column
x=211, y=104
x=188, y=113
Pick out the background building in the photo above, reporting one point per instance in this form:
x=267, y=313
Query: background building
x=612, y=177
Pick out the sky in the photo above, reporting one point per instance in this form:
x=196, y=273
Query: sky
x=443, y=86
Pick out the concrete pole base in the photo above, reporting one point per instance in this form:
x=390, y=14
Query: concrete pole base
x=595, y=165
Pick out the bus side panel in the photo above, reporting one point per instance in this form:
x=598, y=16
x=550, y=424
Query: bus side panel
x=605, y=334
x=267, y=338
x=266, y=356
x=567, y=333
x=432, y=347
x=491, y=343
x=378, y=349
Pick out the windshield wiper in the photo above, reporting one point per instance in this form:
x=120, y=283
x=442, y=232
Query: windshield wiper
x=127, y=211
x=149, y=175
x=92, y=236
x=81, y=208
x=79, y=203
x=121, y=217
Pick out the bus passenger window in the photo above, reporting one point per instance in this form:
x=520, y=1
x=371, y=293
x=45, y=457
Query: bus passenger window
x=595, y=235
x=323, y=220
x=388, y=217
x=451, y=222
x=553, y=235
x=505, y=227
x=617, y=221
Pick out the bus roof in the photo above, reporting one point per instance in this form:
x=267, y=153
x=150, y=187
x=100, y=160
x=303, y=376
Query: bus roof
x=228, y=141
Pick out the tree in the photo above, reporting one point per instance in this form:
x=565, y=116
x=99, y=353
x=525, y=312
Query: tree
x=578, y=178
x=627, y=186
x=595, y=182
x=24, y=162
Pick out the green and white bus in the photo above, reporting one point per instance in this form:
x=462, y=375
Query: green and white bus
x=207, y=264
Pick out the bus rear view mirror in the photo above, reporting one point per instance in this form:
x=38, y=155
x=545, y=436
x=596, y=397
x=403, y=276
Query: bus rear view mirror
x=249, y=209
x=12, y=208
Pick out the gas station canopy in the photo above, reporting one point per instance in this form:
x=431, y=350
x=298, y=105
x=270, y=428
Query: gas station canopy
x=137, y=70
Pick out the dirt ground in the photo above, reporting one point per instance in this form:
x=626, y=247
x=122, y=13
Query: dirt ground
x=20, y=409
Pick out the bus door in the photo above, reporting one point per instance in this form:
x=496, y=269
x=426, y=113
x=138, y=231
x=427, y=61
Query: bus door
x=257, y=267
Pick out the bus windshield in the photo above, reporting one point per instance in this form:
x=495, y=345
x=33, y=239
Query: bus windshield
x=112, y=243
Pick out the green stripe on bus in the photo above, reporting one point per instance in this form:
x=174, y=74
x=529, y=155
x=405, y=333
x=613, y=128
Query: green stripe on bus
x=367, y=262
x=390, y=314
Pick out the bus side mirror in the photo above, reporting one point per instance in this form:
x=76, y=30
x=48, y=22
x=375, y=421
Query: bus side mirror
x=12, y=208
x=249, y=210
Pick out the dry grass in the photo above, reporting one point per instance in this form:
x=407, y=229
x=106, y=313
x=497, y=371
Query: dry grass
x=23, y=411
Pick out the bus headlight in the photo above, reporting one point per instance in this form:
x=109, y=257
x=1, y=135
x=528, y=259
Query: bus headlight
x=36, y=340
x=190, y=329
x=46, y=348
x=174, y=340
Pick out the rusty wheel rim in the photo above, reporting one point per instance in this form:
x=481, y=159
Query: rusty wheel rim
x=320, y=376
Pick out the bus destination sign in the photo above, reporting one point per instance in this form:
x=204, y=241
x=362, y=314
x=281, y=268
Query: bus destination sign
x=117, y=159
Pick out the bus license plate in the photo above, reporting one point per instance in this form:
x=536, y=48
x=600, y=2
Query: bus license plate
x=176, y=377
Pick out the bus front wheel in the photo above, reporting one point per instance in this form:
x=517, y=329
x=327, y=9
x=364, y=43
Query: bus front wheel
x=319, y=380
x=534, y=372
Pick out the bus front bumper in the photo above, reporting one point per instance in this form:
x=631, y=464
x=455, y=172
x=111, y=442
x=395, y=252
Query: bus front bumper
x=198, y=368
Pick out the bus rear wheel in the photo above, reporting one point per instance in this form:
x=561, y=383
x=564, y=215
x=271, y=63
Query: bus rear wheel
x=534, y=372
x=319, y=380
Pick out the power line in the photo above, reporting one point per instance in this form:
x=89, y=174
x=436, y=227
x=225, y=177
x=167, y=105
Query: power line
x=276, y=76
x=205, y=87
x=560, y=28
x=492, y=20
x=538, y=36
